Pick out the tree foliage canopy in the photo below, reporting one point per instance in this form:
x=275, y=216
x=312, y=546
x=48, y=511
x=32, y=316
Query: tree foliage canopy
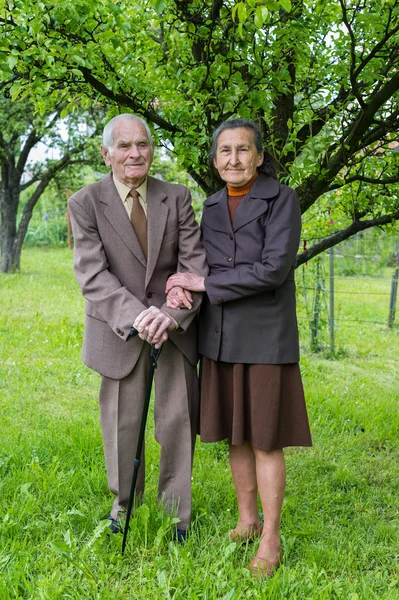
x=320, y=77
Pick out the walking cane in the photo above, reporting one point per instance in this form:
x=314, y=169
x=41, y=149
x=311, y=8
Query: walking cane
x=137, y=461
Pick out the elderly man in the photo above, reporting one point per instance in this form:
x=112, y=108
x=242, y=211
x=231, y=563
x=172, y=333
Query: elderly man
x=131, y=232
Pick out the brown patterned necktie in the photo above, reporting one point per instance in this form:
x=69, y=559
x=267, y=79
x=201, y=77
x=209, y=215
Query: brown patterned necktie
x=139, y=221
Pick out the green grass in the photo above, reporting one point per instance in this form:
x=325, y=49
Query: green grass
x=340, y=525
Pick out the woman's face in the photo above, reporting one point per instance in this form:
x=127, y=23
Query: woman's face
x=236, y=156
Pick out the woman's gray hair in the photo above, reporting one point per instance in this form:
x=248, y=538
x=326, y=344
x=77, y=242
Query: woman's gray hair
x=267, y=167
x=109, y=128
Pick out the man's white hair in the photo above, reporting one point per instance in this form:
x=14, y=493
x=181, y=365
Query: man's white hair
x=109, y=129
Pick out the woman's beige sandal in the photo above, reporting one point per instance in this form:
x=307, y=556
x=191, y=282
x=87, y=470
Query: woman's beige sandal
x=261, y=567
x=245, y=535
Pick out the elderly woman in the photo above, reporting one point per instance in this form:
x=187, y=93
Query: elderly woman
x=251, y=388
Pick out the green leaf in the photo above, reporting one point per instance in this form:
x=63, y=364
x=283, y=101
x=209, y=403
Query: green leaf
x=261, y=15
x=79, y=60
x=143, y=513
x=229, y=595
x=116, y=41
x=159, y=6
x=240, y=9
x=242, y=12
x=68, y=538
x=15, y=91
x=286, y=4
x=12, y=61
x=272, y=5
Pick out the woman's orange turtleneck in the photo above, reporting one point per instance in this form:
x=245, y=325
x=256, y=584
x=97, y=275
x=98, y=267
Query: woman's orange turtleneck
x=236, y=194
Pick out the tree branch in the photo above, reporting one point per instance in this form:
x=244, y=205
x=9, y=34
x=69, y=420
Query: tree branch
x=352, y=76
x=216, y=8
x=321, y=117
x=124, y=100
x=342, y=235
x=314, y=186
x=366, y=180
x=367, y=114
x=375, y=50
x=31, y=141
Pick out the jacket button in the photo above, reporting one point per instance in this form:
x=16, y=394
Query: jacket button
x=220, y=300
x=229, y=258
x=217, y=329
x=149, y=294
x=231, y=237
x=119, y=331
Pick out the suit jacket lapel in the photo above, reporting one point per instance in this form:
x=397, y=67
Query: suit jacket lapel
x=248, y=210
x=255, y=203
x=157, y=215
x=117, y=216
x=217, y=215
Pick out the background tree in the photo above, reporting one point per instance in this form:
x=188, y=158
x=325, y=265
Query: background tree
x=21, y=130
x=320, y=77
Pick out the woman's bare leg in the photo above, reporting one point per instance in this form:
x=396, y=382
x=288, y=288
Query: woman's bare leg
x=243, y=469
x=270, y=476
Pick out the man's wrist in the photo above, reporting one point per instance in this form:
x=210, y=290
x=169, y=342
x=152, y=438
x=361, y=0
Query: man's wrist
x=174, y=323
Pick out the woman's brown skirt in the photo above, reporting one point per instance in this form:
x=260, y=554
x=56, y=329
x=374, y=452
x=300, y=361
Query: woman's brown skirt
x=260, y=404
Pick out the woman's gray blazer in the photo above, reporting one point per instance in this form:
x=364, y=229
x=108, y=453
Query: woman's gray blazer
x=248, y=314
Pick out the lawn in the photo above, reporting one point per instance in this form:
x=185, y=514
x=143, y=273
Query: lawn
x=340, y=524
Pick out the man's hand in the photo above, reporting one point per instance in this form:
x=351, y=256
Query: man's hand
x=153, y=324
x=188, y=281
x=179, y=298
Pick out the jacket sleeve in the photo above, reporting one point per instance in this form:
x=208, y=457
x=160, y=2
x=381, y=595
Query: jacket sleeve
x=114, y=303
x=191, y=258
x=281, y=241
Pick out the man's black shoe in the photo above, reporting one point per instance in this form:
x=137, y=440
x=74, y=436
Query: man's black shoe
x=115, y=526
x=180, y=535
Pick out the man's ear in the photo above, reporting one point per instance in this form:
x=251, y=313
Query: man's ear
x=105, y=155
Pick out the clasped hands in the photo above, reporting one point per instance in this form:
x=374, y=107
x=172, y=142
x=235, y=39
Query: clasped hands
x=152, y=323
x=179, y=287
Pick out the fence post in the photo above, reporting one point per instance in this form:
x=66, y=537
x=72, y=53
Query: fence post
x=68, y=193
x=394, y=291
x=332, y=324
x=314, y=325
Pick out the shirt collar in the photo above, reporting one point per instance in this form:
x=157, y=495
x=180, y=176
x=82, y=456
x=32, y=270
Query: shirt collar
x=124, y=190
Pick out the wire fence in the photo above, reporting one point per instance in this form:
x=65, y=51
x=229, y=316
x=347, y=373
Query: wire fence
x=342, y=288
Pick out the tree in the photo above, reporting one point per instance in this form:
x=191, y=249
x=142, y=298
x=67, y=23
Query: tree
x=21, y=130
x=320, y=77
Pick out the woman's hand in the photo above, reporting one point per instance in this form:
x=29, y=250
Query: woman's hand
x=188, y=281
x=179, y=298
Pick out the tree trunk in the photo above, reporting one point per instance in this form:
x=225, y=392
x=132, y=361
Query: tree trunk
x=10, y=248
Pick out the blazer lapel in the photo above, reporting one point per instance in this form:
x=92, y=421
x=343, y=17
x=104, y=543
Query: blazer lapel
x=248, y=210
x=117, y=216
x=157, y=215
x=217, y=216
x=255, y=203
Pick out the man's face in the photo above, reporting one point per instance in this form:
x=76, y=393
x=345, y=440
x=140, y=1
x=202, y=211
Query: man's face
x=131, y=153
